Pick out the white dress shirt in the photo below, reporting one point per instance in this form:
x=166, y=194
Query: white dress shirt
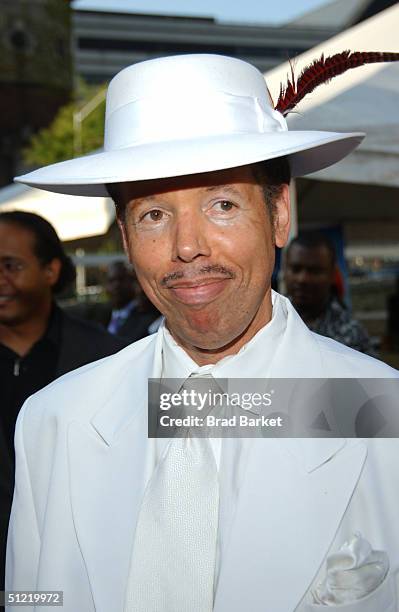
x=252, y=361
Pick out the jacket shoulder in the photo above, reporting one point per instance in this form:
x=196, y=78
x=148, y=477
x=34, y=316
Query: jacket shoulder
x=346, y=362
x=81, y=392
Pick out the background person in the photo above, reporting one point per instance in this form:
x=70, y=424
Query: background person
x=38, y=341
x=310, y=280
x=131, y=313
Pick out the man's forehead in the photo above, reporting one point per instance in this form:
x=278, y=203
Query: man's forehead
x=230, y=178
x=15, y=238
x=308, y=254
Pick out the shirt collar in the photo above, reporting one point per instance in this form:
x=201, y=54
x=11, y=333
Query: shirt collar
x=252, y=361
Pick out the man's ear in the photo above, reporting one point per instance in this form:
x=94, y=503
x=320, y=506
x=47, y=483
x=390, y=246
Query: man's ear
x=52, y=271
x=125, y=237
x=282, y=217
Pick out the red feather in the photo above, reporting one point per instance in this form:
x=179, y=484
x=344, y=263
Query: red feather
x=322, y=71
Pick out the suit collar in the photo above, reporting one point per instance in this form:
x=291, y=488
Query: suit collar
x=130, y=371
x=311, y=453
x=298, y=356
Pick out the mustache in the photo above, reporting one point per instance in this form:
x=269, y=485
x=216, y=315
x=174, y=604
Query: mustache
x=196, y=272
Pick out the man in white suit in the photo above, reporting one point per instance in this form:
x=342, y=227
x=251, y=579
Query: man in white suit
x=198, y=163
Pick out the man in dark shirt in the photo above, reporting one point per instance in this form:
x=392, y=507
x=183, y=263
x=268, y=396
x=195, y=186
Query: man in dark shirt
x=38, y=341
x=310, y=267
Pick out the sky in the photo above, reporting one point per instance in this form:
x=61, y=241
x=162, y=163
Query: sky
x=244, y=11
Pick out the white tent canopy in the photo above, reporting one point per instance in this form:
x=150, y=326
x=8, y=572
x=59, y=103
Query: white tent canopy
x=72, y=216
x=364, y=99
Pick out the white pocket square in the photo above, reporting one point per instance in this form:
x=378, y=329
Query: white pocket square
x=357, y=579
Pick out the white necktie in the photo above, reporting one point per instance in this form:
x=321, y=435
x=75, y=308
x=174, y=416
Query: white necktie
x=173, y=559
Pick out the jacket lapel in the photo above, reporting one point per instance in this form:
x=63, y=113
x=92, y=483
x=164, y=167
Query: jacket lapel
x=108, y=471
x=280, y=512
x=285, y=521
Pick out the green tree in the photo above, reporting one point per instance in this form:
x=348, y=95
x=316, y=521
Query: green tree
x=57, y=142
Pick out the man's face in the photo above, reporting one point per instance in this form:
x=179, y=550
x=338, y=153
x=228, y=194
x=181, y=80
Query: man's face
x=309, y=275
x=120, y=285
x=25, y=283
x=203, y=250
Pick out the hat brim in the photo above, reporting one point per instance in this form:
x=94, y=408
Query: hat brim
x=87, y=176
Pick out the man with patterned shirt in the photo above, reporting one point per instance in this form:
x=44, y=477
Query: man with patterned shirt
x=310, y=284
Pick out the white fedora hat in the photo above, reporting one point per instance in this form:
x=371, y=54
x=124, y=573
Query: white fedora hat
x=185, y=115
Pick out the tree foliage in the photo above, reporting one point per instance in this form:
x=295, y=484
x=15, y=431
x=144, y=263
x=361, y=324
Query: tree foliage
x=57, y=142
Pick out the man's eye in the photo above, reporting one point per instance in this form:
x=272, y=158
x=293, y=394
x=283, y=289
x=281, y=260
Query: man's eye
x=12, y=265
x=153, y=215
x=224, y=205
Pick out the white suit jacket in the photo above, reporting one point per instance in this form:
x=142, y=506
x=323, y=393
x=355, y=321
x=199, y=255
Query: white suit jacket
x=80, y=447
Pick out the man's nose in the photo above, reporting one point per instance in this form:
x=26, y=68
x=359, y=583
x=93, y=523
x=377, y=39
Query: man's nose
x=303, y=276
x=190, y=237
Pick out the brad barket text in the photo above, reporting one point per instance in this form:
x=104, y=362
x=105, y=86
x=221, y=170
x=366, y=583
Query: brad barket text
x=241, y=420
